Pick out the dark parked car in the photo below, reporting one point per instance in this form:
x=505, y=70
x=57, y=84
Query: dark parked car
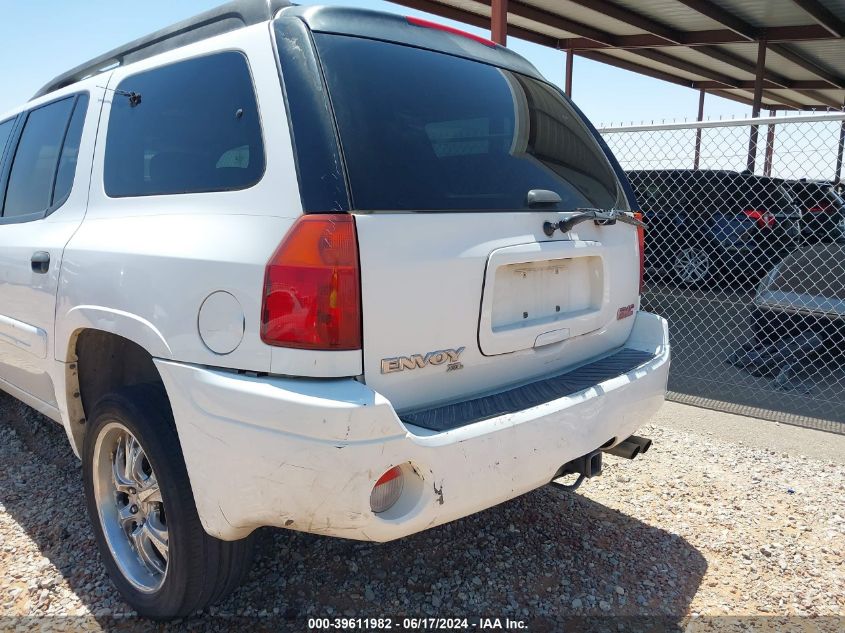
x=707, y=223
x=822, y=211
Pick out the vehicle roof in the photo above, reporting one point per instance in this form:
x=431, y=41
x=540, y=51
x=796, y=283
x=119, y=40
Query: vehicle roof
x=227, y=17
x=238, y=14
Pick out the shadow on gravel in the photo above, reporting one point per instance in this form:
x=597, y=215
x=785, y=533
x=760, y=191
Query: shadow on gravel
x=542, y=557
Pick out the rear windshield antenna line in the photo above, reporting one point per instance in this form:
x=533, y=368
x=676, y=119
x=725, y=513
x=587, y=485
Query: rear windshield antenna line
x=134, y=97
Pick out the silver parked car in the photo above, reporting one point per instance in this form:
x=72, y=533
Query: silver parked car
x=798, y=317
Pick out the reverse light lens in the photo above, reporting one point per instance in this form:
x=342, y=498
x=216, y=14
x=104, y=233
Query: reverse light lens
x=448, y=29
x=312, y=294
x=387, y=490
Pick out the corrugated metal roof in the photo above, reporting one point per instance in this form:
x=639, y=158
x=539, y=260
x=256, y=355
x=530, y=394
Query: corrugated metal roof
x=707, y=44
x=585, y=15
x=765, y=13
x=672, y=13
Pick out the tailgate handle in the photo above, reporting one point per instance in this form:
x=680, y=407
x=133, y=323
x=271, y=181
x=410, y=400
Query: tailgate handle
x=548, y=338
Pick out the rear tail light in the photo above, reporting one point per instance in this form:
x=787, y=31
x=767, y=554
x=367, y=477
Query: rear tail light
x=641, y=247
x=765, y=219
x=448, y=29
x=312, y=288
x=387, y=490
x=821, y=208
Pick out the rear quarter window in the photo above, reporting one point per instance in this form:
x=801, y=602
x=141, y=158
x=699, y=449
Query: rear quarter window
x=195, y=130
x=5, y=132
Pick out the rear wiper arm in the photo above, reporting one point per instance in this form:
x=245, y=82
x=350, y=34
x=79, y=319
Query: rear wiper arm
x=601, y=217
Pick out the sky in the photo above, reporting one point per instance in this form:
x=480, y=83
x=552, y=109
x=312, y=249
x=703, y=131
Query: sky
x=40, y=39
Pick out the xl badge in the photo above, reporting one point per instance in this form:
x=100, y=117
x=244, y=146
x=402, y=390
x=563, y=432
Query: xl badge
x=449, y=357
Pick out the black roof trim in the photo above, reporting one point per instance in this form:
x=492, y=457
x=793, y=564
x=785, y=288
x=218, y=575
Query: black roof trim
x=223, y=19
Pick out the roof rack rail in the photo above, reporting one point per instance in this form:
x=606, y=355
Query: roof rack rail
x=223, y=19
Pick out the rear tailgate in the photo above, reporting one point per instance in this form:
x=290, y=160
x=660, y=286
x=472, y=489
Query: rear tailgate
x=487, y=288
x=462, y=292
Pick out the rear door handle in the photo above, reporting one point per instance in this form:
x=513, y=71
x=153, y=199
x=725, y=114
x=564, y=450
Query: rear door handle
x=40, y=262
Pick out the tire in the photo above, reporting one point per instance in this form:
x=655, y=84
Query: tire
x=692, y=266
x=145, y=521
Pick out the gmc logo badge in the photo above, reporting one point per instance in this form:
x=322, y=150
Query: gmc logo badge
x=624, y=312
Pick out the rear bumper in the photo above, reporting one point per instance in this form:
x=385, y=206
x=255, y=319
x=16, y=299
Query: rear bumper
x=305, y=454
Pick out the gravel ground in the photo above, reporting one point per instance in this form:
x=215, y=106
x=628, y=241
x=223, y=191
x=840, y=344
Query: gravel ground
x=698, y=527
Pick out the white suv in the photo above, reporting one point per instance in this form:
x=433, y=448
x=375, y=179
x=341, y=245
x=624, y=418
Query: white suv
x=325, y=269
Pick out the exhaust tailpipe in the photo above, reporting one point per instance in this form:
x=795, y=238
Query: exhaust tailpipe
x=626, y=449
x=643, y=442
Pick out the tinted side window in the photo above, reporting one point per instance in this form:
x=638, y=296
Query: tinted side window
x=5, y=131
x=70, y=151
x=30, y=187
x=196, y=129
x=661, y=192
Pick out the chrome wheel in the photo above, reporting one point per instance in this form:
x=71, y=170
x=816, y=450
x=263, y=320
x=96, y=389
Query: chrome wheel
x=130, y=507
x=692, y=265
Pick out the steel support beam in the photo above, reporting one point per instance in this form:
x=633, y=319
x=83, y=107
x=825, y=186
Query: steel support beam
x=829, y=76
x=755, y=108
x=770, y=146
x=798, y=85
x=725, y=18
x=570, y=61
x=593, y=37
x=632, y=18
x=775, y=34
x=823, y=16
x=665, y=33
x=706, y=7
x=624, y=64
x=837, y=176
x=696, y=163
x=499, y=22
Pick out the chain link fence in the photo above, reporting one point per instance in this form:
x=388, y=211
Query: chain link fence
x=745, y=256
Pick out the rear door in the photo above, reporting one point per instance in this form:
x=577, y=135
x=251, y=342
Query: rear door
x=462, y=291
x=42, y=205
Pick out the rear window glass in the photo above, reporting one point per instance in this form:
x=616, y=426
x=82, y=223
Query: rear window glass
x=661, y=191
x=815, y=195
x=426, y=131
x=196, y=129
